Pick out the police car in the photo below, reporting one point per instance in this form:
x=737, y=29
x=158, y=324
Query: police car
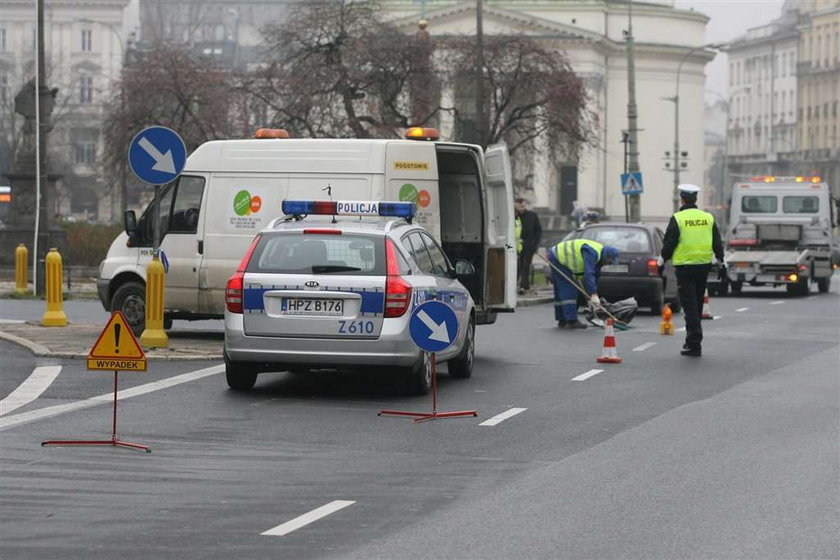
x=333, y=285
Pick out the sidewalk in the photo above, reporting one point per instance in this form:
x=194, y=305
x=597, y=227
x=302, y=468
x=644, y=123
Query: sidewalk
x=76, y=339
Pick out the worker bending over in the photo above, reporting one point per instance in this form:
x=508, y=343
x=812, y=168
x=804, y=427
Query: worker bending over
x=576, y=267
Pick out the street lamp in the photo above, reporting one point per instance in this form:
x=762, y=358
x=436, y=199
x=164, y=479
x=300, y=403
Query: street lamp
x=676, y=100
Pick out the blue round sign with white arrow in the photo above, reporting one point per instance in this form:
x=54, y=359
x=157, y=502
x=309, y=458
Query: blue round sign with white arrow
x=433, y=326
x=157, y=155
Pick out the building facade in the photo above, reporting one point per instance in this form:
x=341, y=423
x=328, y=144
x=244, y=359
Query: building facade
x=84, y=45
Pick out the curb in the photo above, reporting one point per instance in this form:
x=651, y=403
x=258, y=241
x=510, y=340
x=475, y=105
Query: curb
x=42, y=351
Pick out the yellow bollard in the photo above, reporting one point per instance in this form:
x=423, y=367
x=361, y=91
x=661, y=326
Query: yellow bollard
x=21, y=268
x=54, y=316
x=154, y=336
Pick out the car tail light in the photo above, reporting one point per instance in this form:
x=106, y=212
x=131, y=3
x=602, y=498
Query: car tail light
x=743, y=242
x=233, y=289
x=653, y=267
x=397, y=290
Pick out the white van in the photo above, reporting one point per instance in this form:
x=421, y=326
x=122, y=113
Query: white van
x=231, y=189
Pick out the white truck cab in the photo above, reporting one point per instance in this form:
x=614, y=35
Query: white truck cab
x=229, y=190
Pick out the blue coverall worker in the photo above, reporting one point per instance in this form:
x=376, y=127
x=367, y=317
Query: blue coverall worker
x=580, y=260
x=691, y=240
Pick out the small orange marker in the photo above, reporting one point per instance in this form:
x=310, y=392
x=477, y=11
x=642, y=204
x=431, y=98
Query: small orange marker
x=666, y=326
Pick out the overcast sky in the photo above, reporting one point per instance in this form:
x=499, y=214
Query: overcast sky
x=729, y=19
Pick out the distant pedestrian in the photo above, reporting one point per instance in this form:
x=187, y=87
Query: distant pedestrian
x=580, y=261
x=530, y=234
x=691, y=240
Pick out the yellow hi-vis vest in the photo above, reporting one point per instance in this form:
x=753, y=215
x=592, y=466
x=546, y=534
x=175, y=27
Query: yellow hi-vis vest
x=517, y=228
x=568, y=253
x=695, y=244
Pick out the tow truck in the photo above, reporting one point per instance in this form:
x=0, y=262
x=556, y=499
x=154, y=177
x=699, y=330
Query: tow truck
x=780, y=233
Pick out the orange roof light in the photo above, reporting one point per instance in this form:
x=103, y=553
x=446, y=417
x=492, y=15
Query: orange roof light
x=420, y=133
x=271, y=133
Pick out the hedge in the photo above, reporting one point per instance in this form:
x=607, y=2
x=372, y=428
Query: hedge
x=88, y=243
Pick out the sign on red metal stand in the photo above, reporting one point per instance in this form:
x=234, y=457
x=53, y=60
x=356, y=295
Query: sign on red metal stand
x=116, y=349
x=433, y=327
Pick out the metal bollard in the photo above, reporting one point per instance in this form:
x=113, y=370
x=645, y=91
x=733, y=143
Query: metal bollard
x=154, y=336
x=21, y=268
x=54, y=316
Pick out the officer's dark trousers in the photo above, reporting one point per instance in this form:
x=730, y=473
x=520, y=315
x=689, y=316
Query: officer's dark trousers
x=523, y=268
x=691, y=286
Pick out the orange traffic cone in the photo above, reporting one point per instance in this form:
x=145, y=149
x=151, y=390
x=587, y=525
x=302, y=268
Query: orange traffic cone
x=707, y=312
x=666, y=326
x=609, y=354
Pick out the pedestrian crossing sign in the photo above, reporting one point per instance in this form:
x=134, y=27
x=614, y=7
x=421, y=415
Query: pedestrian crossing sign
x=631, y=183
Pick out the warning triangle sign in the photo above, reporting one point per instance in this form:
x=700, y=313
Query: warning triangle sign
x=117, y=341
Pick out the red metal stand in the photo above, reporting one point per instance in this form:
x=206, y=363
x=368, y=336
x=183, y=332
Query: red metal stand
x=423, y=416
x=114, y=441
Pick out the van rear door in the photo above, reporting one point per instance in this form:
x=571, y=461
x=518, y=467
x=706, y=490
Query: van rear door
x=500, y=244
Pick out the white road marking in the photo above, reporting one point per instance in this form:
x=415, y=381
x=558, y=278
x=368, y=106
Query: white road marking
x=681, y=329
x=741, y=309
x=503, y=416
x=37, y=382
x=643, y=347
x=307, y=518
x=776, y=302
x=716, y=317
x=50, y=411
x=587, y=375
x=11, y=321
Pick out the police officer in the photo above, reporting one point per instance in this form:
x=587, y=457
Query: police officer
x=580, y=260
x=691, y=240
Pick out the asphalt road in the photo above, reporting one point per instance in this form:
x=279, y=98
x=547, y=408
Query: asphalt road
x=732, y=455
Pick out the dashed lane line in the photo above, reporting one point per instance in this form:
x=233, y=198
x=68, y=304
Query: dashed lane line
x=778, y=302
x=643, y=347
x=308, y=518
x=503, y=416
x=37, y=382
x=741, y=309
x=587, y=375
x=50, y=411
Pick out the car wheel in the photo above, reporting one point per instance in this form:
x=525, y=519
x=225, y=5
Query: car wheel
x=420, y=375
x=736, y=288
x=240, y=376
x=657, y=302
x=723, y=288
x=130, y=299
x=824, y=284
x=167, y=321
x=800, y=288
x=461, y=366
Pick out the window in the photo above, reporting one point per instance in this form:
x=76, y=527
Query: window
x=439, y=261
x=353, y=254
x=87, y=40
x=4, y=89
x=186, y=206
x=759, y=204
x=625, y=239
x=2, y=39
x=421, y=254
x=85, y=154
x=800, y=204
x=85, y=89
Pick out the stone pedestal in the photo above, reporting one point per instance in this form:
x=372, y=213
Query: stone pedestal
x=21, y=225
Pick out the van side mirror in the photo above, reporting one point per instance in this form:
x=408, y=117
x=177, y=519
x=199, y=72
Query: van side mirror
x=464, y=268
x=130, y=222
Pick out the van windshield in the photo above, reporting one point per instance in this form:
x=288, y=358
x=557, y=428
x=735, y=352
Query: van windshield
x=759, y=204
x=298, y=253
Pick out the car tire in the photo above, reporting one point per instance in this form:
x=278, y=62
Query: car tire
x=723, y=288
x=130, y=299
x=657, y=302
x=240, y=376
x=824, y=284
x=167, y=321
x=420, y=375
x=799, y=289
x=461, y=366
x=736, y=288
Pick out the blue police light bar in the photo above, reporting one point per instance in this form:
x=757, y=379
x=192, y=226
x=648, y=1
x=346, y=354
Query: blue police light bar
x=349, y=208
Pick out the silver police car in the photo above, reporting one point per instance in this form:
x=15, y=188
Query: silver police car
x=339, y=295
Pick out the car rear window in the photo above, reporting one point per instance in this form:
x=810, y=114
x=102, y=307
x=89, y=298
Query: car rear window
x=759, y=204
x=298, y=253
x=629, y=240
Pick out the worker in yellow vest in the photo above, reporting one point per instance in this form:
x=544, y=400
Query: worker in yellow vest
x=576, y=267
x=692, y=240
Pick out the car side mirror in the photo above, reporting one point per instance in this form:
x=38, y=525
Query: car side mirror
x=464, y=268
x=130, y=222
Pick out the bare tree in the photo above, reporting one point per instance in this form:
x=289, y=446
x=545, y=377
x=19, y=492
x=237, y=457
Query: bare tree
x=336, y=69
x=530, y=91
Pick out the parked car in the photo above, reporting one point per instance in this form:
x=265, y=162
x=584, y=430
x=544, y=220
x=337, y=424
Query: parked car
x=636, y=273
x=311, y=295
